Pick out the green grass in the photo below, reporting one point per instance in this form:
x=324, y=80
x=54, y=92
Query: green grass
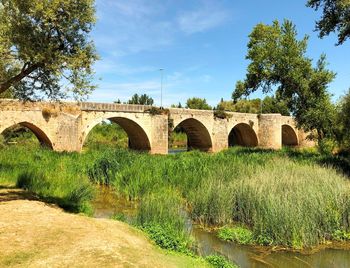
x=288, y=197
x=59, y=178
x=178, y=139
x=106, y=134
x=284, y=199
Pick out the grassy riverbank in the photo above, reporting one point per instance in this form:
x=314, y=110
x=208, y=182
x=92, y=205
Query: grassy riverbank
x=284, y=198
x=36, y=235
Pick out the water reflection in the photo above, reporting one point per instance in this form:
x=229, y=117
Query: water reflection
x=177, y=150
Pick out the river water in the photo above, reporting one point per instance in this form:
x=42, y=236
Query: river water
x=107, y=204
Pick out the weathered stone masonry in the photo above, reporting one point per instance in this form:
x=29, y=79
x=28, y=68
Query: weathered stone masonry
x=65, y=126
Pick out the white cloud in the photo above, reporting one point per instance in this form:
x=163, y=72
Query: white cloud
x=207, y=17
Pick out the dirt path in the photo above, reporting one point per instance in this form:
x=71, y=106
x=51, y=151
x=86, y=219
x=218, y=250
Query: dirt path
x=35, y=234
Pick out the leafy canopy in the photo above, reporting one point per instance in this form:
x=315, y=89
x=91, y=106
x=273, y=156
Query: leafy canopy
x=343, y=121
x=278, y=63
x=143, y=99
x=266, y=106
x=335, y=18
x=45, y=50
x=197, y=103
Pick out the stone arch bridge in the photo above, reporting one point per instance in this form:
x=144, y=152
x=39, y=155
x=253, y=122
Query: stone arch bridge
x=65, y=126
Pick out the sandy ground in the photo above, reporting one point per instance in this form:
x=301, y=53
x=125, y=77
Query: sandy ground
x=35, y=234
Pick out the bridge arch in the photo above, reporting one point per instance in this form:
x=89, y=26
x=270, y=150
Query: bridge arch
x=138, y=138
x=289, y=136
x=37, y=131
x=244, y=135
x=198, y=136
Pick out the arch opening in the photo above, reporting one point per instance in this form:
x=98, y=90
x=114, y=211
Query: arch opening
x=26, y=133
x=289, y=137
x=119, y=132
x=242, y=135
x=192, y=135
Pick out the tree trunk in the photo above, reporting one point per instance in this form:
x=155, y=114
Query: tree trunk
x=13, y=80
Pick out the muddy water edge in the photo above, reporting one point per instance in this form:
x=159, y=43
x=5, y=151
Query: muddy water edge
x=107, y=203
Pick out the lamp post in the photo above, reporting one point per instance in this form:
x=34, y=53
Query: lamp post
x=161, y=87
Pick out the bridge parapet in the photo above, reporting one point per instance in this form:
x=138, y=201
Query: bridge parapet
x=13, y=104
x=113, y=107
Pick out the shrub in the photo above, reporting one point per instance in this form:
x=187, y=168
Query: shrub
x=167, y=238
x=119, y=217
x=157, y=111
x=341, y=235
x=219, y=262
x=221, y=114
x=326, y=146
x=240, y=235
x=33, y=181
x=78, y=199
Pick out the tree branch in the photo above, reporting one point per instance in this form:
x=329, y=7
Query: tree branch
x=26, y=70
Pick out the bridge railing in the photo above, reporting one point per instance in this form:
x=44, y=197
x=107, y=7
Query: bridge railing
x=112, y=107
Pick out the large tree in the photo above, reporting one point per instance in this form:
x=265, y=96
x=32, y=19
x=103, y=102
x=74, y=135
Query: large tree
x=197, y=103
x=335, y=18
x=45, y=50
x=142, y=99
x=279, y=63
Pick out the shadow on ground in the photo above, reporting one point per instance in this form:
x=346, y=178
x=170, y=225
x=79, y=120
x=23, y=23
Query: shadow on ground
x=10, y=194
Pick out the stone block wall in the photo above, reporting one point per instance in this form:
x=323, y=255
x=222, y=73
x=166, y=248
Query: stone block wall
x=65, y=126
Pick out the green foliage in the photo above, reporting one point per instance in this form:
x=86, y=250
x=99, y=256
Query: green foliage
x=119, y=217
x=166, y=238
x=106, y=134
x=278, y=62
x=157, y=111
x=108, y=163
x=179, y=105
x=220, y=113
x=2, y=142
x=54, y=177
x=285, y=197
x=43, y=42
x=268, y=105
x=326, y=146
x=163, y=207
x=20, y=135
x=197, y=103
x=343, y=121
x=239, y=235
x=32, y=181
x=335, y=18
x=143, y=99
x=341, y=235
x=272, y=105
x=178, y=139
x=285, y=202
x=219, y=262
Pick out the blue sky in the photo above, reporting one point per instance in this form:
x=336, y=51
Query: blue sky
x=200, y=44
